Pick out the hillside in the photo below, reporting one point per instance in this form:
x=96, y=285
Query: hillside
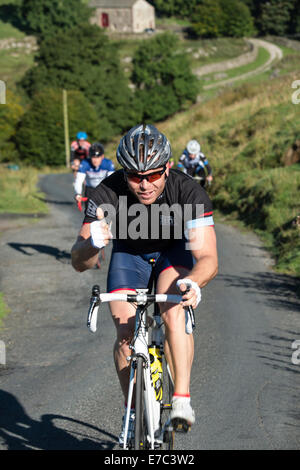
x=246, y=133
x=245, y=128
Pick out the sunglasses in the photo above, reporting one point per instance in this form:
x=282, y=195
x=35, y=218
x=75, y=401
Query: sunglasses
x=151, y=178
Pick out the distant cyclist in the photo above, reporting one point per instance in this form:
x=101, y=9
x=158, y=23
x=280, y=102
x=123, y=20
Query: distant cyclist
x=92, y=171
x=194, y=163
x=79, y=150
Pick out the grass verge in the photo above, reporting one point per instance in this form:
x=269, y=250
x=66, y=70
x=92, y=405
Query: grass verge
x=245, y=132
x=4, y=310
x=19, y=191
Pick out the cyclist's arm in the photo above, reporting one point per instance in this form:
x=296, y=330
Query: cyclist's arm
x=84, y=256
x=203, y=246
x=206, y=164
x=208, y=168
x=78, y=183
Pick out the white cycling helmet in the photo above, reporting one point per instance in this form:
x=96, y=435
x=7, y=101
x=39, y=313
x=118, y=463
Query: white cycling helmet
x=193, y=147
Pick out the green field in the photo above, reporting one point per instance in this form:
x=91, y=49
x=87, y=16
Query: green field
x=4, y=310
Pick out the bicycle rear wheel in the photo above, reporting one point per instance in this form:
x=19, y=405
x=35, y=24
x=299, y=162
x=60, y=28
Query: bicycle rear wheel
x=140, y=426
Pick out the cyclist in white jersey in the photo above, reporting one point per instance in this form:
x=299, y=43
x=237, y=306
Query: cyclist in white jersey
x=194, y=163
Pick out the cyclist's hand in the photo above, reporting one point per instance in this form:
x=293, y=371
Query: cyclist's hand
x=100, y=233
x=193, y=296
x=78, y=197
x=75, y=165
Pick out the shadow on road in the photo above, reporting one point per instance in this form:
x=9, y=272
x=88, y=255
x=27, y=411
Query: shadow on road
x=19, y=432
x=53, y=201
x=278, y=290
x=25, y=249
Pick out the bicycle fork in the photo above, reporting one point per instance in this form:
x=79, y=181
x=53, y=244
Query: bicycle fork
x=152, y=406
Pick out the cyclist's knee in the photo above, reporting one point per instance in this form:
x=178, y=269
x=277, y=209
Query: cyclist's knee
x=125, y=333
x=173, y=318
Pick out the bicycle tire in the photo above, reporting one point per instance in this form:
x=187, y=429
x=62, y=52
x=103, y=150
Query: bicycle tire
x=168, y=389
x=140, y=432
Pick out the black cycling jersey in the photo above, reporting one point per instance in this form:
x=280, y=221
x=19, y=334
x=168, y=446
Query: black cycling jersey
x=154, y=227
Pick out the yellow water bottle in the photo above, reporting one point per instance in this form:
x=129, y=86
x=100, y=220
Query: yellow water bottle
x=156, y=370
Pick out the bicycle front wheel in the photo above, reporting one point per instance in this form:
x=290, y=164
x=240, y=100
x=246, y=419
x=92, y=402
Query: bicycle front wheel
x=168, y=390
x=140, y=425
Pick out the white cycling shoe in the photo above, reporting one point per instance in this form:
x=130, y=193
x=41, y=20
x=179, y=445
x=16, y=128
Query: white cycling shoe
x=182, y=415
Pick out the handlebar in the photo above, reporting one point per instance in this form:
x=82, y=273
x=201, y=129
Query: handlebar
x=140, y=298
x=79, y=202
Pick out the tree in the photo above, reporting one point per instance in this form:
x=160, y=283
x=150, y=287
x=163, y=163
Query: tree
x=164, y=82
x=294, y=26
x=275, y=17
x=208, y=19
x=10, y=115
x=238, y=21
x=45, y=18
x=214, y=18
x=179, y=8
x=84, y=59
x=40, y=137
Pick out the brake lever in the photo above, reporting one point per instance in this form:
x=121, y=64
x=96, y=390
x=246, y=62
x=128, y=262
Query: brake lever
x=190, y=311
x=79, y=203
x=93, y=310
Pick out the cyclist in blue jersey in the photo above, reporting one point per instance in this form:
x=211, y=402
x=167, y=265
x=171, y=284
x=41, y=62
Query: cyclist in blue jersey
x=194, y=163
x=92, y=171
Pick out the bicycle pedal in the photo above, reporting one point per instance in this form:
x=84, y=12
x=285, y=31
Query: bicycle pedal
x=181, y=425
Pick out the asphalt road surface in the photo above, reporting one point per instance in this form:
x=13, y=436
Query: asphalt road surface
x=58, y=388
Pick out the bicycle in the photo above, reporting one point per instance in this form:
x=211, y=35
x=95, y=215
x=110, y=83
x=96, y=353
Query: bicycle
x=149, y=371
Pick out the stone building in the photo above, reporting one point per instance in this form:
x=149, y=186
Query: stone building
x=124, y=16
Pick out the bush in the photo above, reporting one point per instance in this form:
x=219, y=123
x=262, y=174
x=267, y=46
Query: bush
x=215, y=18
x=85, y=59
x=208, y=19
x=263, y=201
x=10, y=115
x=40, y=138
x=163, y=79
x=238, y=21
x=45, y=18
x=179, y=8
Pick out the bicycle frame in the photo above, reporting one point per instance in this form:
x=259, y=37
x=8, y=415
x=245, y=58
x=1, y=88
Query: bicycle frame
x=140, y=349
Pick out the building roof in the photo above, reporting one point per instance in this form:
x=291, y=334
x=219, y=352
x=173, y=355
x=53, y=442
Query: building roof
x=112, y=3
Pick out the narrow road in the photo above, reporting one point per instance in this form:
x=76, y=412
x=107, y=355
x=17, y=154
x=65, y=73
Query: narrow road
x=275, y=55
x=58, y=389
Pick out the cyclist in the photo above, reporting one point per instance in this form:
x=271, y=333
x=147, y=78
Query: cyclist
x=92, y=171
x=194, y=163
x=79, y=150
x=145, y=184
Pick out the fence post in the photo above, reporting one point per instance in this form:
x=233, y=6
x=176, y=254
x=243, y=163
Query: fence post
x=2, y=92
x=2, y=353
x=66, y=127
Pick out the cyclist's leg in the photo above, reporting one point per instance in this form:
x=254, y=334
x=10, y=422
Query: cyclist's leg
x=179, y=347
x=127, y=272
x=174, y=264
x=123, y=315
